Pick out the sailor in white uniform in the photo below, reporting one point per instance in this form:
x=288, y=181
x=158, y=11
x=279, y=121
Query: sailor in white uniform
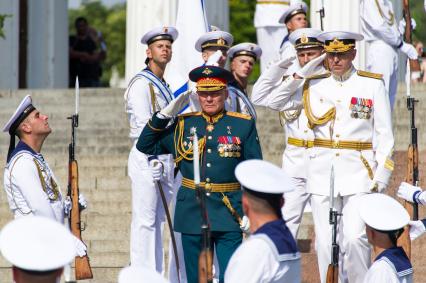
x=270, y=254
x=385, y=219
x=269, y=31
x=350, y=115
x=242, y=56
x=383, y=40
x=147, y=93
x=38, y=249
x=270, y=91
x=294, y=18
x=30, y=185
x=137, y=274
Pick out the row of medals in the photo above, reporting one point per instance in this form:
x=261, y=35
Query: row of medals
x=361, y=112
x=229, y=150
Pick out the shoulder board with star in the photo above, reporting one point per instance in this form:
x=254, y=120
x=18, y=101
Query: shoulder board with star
x=190, y=114
x=369, y=75
x=320, y=76
x=238, y=115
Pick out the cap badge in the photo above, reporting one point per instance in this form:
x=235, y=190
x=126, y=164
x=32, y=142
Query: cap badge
x=207, y=71
x=220, y=41
x=166, y=29
x=304, y=39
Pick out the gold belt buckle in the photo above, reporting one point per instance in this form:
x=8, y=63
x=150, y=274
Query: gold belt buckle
x=305, y=143
x=335, y=144
x=208, y=188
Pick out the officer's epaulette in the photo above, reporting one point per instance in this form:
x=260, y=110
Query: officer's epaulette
x=369, y=75
x=190, y=114
x=238, y=115
x=319, y=76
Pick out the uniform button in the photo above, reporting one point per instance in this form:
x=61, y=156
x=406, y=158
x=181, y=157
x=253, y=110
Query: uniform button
x=305, y=131
x=337, y=154
x=207, y=179
x=337, y=119
x=337, y=136
x=208, y=186
x=209, y=150
x=209, y=137
x=208, y=165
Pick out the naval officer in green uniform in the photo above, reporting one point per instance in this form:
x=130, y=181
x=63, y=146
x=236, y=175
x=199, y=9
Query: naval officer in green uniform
x=225, y=140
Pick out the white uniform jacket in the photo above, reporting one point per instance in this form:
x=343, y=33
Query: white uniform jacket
x=30, y=185
x=268, y=13
x=378, y=22
x=268, y=256
x=271, y=92
x=145, y=95
x=361, y=115
x=391, y=266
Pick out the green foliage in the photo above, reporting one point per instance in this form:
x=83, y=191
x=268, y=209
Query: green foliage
x=112, y=23
x=2, y=19
x=418, y=13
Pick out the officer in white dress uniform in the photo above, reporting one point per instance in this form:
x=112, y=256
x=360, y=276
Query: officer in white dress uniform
x=270, y=91
x=270, y=254
x=350, y=115
x=242, y=57
x=137, y=274
x=30, y=184
x=269, y=31
x=294, y=18
x=385, y=219
x=146, y=94
x=383, y=40
x=38, y=249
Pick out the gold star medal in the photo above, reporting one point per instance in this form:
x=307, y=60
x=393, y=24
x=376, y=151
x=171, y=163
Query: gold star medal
x=210, y=127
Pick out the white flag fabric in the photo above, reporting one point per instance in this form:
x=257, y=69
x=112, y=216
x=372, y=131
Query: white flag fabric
x=191, y=23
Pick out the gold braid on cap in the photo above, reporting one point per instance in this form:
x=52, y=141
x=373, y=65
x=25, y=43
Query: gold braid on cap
x=210, y=84
x=338, y=46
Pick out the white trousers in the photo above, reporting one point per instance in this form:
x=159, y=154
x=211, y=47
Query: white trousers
x=148, y=215
x=294, y=205
x=354, y=258
x=383, y=59
x=269, y=40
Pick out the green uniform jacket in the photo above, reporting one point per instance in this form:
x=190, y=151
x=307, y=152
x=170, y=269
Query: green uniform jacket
x=230, y=138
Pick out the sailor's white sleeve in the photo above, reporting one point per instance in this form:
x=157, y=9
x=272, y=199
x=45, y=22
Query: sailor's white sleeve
x=381, y=272
x=282, y=97
x=252, y=262
x=267, y=81
x=138, y=104
x=383, y=141
x=25, y=178
x=372, y=17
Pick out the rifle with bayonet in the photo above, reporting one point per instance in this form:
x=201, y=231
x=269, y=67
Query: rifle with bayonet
x=412, y=176
x=82, y=265
x=414, y=64
x=322, y=14
x=333, y=267
x=205, y=259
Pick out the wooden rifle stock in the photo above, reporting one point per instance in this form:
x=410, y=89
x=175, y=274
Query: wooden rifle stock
x=332, y=273
x=205, y=263
x=414, y=64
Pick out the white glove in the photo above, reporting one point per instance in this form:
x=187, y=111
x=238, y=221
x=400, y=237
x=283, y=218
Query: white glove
x=309, y=69
x=176, y=105
x=377, y=186
x=157, y=169
x=409, y=50
x=80, y=247
x=245, y=225
x=401, y=25
x=276, y=69
x=410, y=193
x=214, y=59
x=417, y=228
x=82, y=201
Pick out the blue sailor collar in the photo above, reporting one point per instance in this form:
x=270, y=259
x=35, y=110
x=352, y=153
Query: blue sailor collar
x=21, y=146
x=236, y=85
x=397, y=259
x=280, y=238
x=286, y=38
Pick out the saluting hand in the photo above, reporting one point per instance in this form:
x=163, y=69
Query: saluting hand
x=310, y=68
x=176, y=105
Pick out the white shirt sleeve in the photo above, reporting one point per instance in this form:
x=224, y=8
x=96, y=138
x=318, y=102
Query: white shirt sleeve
x=252, y=262
x=371, y=15
x=282, y=97
x=381, y=272
x=25, y=178
x=267, y=81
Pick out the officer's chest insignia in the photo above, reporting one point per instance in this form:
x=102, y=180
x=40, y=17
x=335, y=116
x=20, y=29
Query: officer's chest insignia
x=229, y=146
x=361, y=108
x=210, y=127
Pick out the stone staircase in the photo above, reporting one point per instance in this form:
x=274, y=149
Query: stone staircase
x=102, y=151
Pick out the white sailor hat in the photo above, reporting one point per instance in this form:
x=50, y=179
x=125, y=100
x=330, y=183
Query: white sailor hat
x=263, y=177
x=160, y=33
x=245, y=48
x=305, y=38
x=37, y=243
x=339, y=41
x=137, y=274
x=217, y=38
x=382, y=212
x=299, y=8
x=24, y=109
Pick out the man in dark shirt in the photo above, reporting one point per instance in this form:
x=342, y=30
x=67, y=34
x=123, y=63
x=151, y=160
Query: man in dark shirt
x=85, y=59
